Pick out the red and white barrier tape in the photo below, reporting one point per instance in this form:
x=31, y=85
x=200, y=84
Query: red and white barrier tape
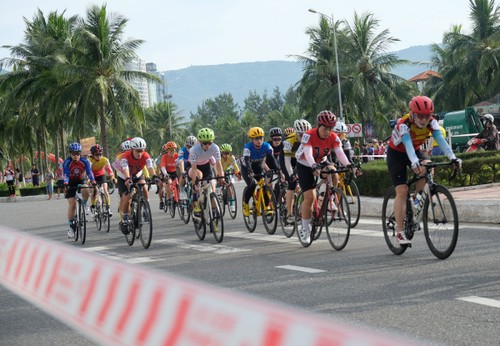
x=121, y=304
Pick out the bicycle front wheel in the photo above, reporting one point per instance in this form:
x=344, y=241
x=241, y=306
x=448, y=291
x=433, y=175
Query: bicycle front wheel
x=231, y=201
x=389, y=223
x=216, y=218
x=130, y=237
x=96, y=214
x=286, y=228
x=105, y=217
x=82, y=223
x=352, y=195
x=269, y=210
x=440, y=221
x=340, y=224
x=251, y=219
x=145, y=224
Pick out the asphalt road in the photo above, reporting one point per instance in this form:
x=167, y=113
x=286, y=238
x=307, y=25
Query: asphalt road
x=414, y=295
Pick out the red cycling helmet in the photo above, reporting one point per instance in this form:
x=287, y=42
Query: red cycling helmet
x=327, y=118
x=96, y=149
x=421, y=105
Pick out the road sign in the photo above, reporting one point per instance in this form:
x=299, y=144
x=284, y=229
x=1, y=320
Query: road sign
x=354, y=130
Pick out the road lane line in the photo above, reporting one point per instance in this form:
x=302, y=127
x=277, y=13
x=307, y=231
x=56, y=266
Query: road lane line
x=218, y=249
x=483, y=301
x=302, y=269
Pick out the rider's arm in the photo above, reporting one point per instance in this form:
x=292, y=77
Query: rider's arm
x=410, y=150
x=307, y=151
x=443, y=144
x=339, y=151
x=88, y=170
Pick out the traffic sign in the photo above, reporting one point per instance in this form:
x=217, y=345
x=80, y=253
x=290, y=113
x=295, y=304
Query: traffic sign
x=354, y=130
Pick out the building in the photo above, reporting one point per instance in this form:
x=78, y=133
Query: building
x=422, y=78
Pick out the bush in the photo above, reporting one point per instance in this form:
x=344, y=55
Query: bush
x=32, y=190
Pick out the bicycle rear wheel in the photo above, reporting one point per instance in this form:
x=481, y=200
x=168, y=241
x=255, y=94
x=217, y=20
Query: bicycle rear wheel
x=286, y=228
x=105, y=217
x=171, y=206
x=269, y=211
x=82, y=220
x=200, y=225
x=130, y=237
x=440, y=221
x=145, y=224
x=251, y=220
x=389, y=223
x=216, y=218
x=232, y=202
x=339, y=229
x=298, y=218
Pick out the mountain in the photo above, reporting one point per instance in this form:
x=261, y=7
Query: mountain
x=191, y=86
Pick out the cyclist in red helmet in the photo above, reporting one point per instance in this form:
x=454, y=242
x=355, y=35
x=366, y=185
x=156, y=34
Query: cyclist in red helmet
x=316, y=146
x=409, y=133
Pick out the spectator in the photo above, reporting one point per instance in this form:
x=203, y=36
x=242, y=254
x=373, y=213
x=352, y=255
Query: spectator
x=60, y=181
x=357, y=153
x=489, y=134
x=20, y=178
x=9, y=177
x=49, y=180
x=35, y=175
x=365, y=153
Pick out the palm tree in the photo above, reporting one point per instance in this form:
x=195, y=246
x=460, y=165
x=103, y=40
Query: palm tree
x=97, y=83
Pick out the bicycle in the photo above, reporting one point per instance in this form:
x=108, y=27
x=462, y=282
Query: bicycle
x=101, y=211
x=171, y=203
x=351, y=191
x=79, y=223
x=260, y=207
x=111, y=186
x=185, y=202
x=437, y=213
x=140, y=215
x=211, y=212
x=225, y=192
x=337, y=223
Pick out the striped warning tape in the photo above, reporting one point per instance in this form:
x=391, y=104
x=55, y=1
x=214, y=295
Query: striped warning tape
x=122, y=304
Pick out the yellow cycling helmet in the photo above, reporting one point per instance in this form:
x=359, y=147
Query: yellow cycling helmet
x=255, y=132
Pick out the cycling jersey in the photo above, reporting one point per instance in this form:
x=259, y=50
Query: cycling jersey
x=134, y=166
x=256, y=157
x=100, y=167
x=276, y=149
x=183, y=154
x=229, y=162
x=76, y=170
x=287, y=159
x=313, y=149
x=418, y=135
x=198, y=156
x=168, y=163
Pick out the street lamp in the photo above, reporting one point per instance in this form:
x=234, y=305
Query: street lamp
x=336, y=59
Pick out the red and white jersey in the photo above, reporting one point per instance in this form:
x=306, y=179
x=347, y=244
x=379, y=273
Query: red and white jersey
x=321, y=148
x=418, y=135
x=134, y=166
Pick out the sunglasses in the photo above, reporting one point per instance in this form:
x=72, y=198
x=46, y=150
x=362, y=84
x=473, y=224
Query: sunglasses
x=206, y=143
x=422, y=116
x=75, y=153
x=258, y=138
x=226, y=153
x=138, y=150
x=276, y=139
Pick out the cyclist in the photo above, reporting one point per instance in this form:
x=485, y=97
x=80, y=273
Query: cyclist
x=183, y=160
x=168, y=167
x=100, y=166
x=316, y=146
x=409, y=133
x=132, y=163
x=75, y=167
x=276, y=142
x=229, y=163
x=201, y=157
x=255, y=154
x=288, y=162
x=341, y=130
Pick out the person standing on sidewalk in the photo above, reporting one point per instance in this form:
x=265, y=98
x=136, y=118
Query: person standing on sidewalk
x=60, y=180
x=35, y=175
x=49, y=180
x=9, y=177
x=410, y=132
x=20, y=178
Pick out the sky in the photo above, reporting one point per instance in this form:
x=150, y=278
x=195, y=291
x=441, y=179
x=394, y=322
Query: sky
x=183, y=33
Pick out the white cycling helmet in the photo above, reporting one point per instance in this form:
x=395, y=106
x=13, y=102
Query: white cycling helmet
x=301, y=125
x=137, y=143
x=125, y=146
x=340, y=127
x=191, y=140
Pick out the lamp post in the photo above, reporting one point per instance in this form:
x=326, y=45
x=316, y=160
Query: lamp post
x=336, y=59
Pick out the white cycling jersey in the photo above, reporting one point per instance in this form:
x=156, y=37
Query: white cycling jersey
x=198, y=156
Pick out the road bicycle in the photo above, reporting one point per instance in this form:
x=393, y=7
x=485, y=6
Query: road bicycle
x=185, y=201
x=288, y=229
x=140, y=224
x=227, y=196
x=79, y=223
x=336, y=222
x=111, y=186
x=100, y=212
x=351, y=191
x=172, y=203
x=437, y=213
x=211, y=211
x=262, y=203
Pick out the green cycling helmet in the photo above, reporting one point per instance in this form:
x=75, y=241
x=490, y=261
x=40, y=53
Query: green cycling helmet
x=206, y=135
x=226, y=147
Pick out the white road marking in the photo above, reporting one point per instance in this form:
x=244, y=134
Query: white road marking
x=95, y=248
x=105, y=251
x=218, y=249
x=302, y=269
x=366, y=232
x=483, y=301
x=276, y=238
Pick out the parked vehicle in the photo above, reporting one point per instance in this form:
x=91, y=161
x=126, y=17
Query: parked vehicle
x=462, y=126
